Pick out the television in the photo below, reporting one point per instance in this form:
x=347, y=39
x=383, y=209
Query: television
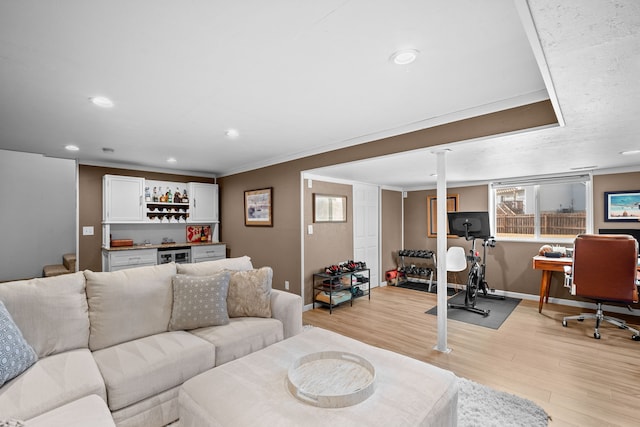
x=469, y=225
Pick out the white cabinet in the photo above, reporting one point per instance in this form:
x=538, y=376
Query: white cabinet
x=203, y=202
x=123, y=199
x=208, y=253
x=119, y=260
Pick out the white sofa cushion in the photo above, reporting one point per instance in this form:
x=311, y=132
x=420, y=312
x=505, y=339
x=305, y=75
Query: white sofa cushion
x=158, y=410
x=51, y=312
x=206, y=268
x=53, y=381
x=84, y=412
x=242, y=336
x=145, y=367
x=129, y=304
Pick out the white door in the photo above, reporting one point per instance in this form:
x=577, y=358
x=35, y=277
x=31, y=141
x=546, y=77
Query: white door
x=366, y=208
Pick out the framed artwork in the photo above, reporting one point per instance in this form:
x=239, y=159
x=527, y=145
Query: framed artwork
x=258, y=207
x=622, y=206
x=328, y=208
x=432, y=208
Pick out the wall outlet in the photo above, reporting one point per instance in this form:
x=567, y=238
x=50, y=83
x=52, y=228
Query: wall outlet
x=309, y=183
x=286, y=285
x=87, y=230
x=309, y=229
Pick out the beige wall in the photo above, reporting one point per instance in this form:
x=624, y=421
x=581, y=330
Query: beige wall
x=330, y=243
x=280, y=246
x=509, y=265
x=277, y=246
x=613, y=182
x=90, y=207
x=391, y=225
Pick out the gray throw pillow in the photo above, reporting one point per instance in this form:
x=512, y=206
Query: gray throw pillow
x=250, y=293
x=199, y=301
x=16, y=355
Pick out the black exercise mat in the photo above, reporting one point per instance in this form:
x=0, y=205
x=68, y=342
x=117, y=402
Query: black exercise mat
x=500, y=310
x=424, y=287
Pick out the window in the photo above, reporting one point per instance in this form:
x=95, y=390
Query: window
x=546, y=209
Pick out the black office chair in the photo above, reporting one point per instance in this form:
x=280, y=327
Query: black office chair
x=604, y=270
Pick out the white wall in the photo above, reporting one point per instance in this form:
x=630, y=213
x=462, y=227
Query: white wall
x=37, y=213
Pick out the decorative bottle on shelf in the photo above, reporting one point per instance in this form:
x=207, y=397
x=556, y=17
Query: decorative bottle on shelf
x=169, y=196
x=147, y=194
x=203, y=235
x=185, y=198
x=177, y=198
x=155, y=194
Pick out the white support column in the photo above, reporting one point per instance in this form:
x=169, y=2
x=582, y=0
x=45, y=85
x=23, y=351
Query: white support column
x=441, y=252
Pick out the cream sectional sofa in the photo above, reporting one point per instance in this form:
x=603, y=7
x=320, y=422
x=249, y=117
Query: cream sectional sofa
x=109, y=334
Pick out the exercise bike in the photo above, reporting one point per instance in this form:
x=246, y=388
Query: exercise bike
x=473, y=225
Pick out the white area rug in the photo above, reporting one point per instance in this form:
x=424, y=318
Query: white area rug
x=479, y=405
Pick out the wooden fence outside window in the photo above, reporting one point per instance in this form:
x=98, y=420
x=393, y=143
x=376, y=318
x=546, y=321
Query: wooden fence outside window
x=551, y=223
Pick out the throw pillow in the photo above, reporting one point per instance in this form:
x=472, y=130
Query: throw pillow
x=199, y=301
x=16, y=355
x=11, y=423
x=250, y=293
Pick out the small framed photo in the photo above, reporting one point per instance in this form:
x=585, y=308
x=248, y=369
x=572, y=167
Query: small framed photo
x=258, y=207
x=329, y=208
x=622, y=206
x=432, y=208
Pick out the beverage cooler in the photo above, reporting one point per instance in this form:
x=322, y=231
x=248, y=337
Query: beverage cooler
x=173, y=254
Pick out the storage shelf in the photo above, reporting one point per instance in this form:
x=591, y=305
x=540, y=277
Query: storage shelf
x=185, y=204
x=322, y=284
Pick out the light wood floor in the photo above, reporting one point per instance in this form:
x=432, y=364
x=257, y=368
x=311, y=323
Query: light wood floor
x=578, y=380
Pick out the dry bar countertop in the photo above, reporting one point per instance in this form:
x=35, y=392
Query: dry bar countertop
x=162, y=245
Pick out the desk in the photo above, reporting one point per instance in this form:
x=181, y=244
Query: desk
x=548, y=266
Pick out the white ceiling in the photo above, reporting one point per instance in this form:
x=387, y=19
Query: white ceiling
x=302, y=77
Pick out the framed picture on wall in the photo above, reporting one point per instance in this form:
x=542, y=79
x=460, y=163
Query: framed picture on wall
x=258, y=207
x=329, y=208
x=622, y=206
x=432, y=209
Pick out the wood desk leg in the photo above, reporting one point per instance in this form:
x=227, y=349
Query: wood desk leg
x=544, y=288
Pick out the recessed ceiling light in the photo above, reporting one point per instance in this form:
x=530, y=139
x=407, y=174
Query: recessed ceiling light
x=232, y=133
x=71, y=147
x=171, y=160
x=404, y=57
x=102, y=101
x=630, y=152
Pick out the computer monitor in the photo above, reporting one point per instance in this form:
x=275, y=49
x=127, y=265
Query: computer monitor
x=469, y=224
x=634, y=232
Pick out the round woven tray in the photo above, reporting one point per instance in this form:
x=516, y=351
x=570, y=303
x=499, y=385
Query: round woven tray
x=331, y=379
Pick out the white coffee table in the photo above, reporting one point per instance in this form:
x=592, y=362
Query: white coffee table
x=252, y=390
